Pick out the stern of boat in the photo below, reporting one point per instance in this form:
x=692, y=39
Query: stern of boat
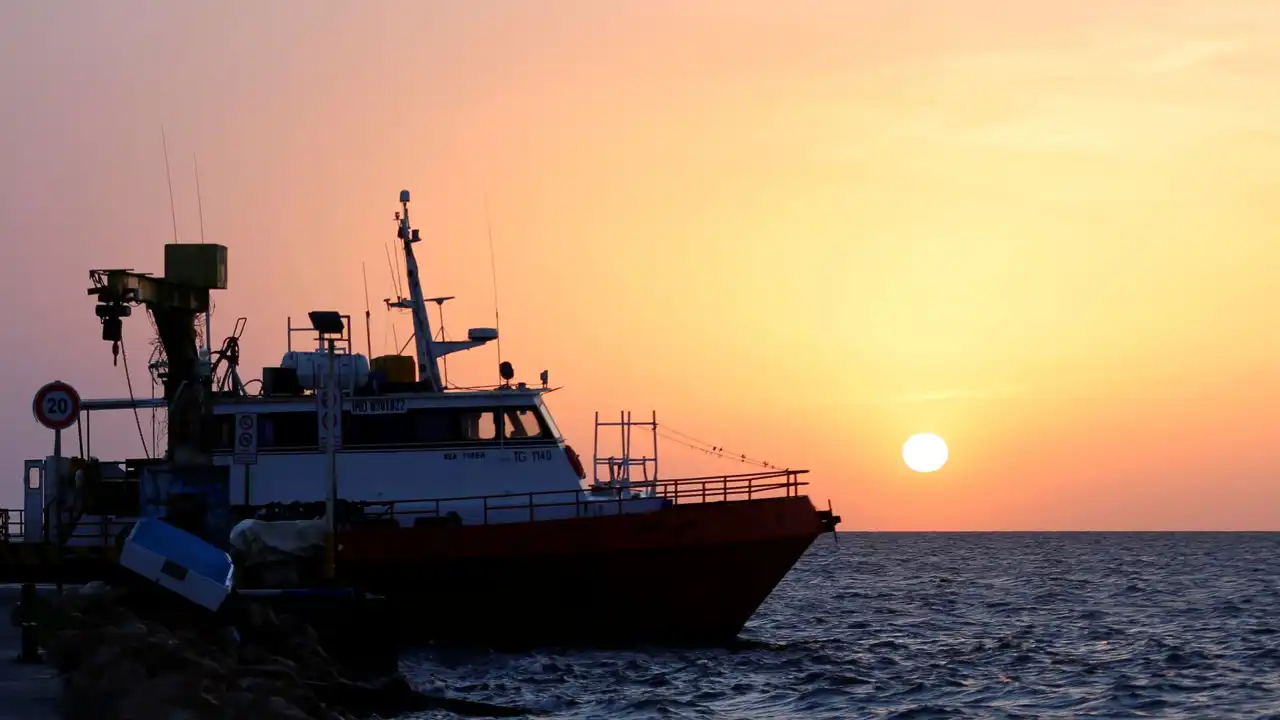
x=828, y=519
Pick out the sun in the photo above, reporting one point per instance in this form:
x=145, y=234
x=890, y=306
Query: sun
x=925, y=452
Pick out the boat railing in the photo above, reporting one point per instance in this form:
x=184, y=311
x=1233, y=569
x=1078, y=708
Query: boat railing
x=89, y=530
x=704, y=489
x=619, y=497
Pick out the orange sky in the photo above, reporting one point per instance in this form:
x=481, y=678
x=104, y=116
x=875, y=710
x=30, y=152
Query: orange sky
x=801, y=230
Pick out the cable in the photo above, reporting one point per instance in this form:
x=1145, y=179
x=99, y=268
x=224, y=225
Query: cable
x=691, y=438
x=155, y=362
x=680, y=438
x=133, y=401
x=154, y=441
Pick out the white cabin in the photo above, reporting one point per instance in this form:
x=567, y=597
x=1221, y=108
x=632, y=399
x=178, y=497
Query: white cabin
x=429, y=453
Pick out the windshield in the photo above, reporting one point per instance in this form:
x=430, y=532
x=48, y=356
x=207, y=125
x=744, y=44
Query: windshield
x=546, y=417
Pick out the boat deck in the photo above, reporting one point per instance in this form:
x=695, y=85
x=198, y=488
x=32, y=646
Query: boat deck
x=91, y=552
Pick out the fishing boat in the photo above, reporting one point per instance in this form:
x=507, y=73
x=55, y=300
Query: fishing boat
x=467, y=508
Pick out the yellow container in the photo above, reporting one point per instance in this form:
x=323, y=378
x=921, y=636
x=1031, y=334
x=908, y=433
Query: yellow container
x=396, y=368
x=196, y=264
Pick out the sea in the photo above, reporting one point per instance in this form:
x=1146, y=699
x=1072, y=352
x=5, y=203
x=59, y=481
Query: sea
x=937, y=625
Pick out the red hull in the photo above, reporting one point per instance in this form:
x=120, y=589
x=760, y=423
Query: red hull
x=689, y=574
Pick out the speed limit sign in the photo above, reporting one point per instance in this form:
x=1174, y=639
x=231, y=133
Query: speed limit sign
x=56, y=405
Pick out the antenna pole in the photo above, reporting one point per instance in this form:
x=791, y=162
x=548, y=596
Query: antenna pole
x=368, y=332
x=396, y=276
x=444, y=359
x=199, y=199
x=493, y=270
x=443, y=337
x=208, y=314
x=173, y=210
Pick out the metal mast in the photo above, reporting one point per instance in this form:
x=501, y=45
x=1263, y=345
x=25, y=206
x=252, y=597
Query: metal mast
x=428, y=368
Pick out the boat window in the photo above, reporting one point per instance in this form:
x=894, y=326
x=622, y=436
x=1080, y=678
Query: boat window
x=423, y=426
x=479, y=425
x=288, y=431
x=547, y=420
x=112, y=497
x=436, y=426
x=522, y=424
x=417, y=427
x=223, y=429
x=365, y=430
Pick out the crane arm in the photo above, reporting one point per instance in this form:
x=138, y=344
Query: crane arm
x=175, y=307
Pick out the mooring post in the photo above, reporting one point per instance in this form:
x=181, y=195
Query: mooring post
x=29, y=651
x=26, y=601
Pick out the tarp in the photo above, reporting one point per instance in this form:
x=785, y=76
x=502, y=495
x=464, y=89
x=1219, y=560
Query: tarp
x=258, y=541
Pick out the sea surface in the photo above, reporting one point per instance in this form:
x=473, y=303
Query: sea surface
x=1125, y=625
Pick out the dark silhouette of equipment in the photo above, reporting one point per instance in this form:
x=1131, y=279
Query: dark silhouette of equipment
x=174, y=301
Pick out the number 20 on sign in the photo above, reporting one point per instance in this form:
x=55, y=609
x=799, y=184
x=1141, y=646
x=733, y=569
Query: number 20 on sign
x=56, y=405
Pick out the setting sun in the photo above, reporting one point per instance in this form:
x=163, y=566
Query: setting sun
x=925, y=452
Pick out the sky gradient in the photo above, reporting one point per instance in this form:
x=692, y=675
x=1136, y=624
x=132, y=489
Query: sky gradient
x=803, y=230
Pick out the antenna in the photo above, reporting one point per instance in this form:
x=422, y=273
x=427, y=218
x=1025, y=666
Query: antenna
x=493, y=269
x=199, y=200
x=368, y=333
x=208, y=314
x=444, y=359
x=395, y=275
x=173, y=210
x=395, y=290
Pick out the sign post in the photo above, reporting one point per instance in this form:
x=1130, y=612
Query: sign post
x=57, y=407
x=329, y=415
x=246, y=452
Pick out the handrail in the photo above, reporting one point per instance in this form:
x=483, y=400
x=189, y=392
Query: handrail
x=749, y=478
x=702, y=489
x=13, y=524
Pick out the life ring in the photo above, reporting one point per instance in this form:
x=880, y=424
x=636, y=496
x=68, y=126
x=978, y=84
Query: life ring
x=575, y=462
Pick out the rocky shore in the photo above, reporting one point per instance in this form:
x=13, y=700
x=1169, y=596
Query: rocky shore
x=129, y=654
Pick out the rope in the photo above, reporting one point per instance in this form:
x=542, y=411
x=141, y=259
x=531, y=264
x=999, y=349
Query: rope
x=142, y=437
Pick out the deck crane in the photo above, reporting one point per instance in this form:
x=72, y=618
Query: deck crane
x=191, y=271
